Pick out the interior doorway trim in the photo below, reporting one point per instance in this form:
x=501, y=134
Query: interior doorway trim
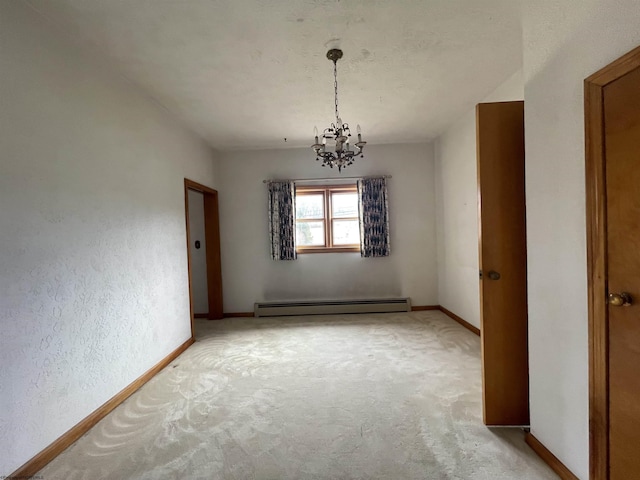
x=212, y=239
x=597, y=259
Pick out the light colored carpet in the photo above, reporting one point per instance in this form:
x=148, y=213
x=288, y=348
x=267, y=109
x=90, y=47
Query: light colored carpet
x=387, y=396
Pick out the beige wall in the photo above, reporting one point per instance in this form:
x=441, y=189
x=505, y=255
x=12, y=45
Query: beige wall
x=93, y=265
x=249, y=273
x=457, y=208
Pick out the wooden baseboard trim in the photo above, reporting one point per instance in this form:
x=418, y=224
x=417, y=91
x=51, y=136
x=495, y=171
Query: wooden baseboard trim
x=549, y=458
x=200, y=315
x=460, y=320
x=38, y=462
x=421, y=308
x=238, y=314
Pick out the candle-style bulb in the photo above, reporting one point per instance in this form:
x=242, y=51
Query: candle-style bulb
x=358, y=129
x=315, y=131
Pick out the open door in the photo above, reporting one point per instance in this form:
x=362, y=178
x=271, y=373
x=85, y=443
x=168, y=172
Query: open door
x=212, y=240
x=503, y=263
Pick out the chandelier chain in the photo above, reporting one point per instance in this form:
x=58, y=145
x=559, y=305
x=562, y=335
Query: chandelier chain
x=335, y=85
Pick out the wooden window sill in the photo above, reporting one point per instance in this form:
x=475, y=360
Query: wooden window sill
x=345, y=249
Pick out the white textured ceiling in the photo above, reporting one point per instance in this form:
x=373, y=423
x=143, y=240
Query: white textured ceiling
x=247, y=73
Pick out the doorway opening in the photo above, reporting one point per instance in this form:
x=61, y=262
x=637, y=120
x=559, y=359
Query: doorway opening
x=203, y=251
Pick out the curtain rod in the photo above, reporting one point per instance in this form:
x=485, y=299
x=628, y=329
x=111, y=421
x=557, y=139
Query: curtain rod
x=324, y=179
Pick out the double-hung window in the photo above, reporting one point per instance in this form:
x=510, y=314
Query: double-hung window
x=327, y=219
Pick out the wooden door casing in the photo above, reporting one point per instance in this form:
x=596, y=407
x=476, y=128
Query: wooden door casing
x=609, y=113
x=212, y=239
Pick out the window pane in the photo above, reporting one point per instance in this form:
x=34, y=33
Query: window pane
x=310, y=206
x=344, y=205
x=310, y=233
x=346, y=232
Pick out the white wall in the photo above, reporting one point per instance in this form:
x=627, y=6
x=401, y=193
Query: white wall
x=93, y=266
x=457, y=208
x=198, y=255
x=249, y=274
x=564, y=42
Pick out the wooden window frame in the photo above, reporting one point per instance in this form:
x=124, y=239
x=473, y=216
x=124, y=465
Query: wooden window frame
x=327, y=191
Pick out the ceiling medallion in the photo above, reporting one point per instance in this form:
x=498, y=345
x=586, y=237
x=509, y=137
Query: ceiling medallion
x=338, y=133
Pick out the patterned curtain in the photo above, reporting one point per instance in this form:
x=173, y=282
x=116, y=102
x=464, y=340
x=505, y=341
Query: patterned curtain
x=282, y=220
x=374, y=217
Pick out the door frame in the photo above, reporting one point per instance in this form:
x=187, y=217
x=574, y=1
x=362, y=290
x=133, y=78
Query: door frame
x=212, y=240
x=596, y=204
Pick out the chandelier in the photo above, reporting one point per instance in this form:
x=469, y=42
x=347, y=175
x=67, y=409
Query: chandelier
x=339, y=155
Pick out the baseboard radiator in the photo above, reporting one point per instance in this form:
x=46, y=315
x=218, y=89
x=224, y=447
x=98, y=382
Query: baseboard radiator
x=329, y=307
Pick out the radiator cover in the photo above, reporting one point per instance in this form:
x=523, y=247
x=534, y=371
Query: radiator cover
x=328, y=307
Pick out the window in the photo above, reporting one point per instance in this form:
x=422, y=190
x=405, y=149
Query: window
x=327, y=219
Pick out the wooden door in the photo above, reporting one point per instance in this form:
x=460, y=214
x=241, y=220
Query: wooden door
x=612, y=133
x=503, y=263
x=214, y=263
x=622, y=158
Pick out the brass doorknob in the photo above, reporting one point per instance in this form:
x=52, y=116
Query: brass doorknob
x=493, y=275
x=620, y=299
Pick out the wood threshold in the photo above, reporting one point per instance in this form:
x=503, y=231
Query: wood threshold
x=460, y=320
x=421, y=308
x=238, y=314
x=549, y=458
x=200, y=315
x=39, y=461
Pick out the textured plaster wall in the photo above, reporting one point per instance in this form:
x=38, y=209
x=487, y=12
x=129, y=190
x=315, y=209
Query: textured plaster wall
x=93, y=266
x=198, y=255
x=248, y=271
x=457, y=208
x=564, y=42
